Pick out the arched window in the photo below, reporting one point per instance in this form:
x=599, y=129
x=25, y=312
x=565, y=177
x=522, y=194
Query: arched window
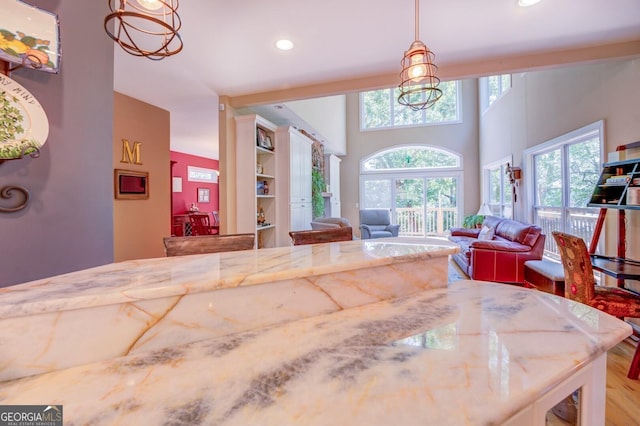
x=420, y=184
x=411, y=157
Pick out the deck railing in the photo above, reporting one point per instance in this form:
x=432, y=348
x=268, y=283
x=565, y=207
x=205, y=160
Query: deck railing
x=437, y=222
x=580, y=222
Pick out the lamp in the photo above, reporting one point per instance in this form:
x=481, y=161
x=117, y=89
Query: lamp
x=484, y=210
x=146, y=28
x=419, y=83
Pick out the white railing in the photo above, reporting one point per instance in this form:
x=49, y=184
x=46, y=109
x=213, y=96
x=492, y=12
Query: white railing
x=438, y=221
x=580, y=222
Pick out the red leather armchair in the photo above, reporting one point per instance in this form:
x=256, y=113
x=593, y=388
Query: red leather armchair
x=501, y=258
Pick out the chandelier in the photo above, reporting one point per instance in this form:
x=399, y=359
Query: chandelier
x=419, y=83
x=146, y=28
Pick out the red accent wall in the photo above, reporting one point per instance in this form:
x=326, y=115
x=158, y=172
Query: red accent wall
x=182, y=200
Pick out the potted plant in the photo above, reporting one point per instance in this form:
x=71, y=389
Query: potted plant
x=473, y=221
x=317, y=186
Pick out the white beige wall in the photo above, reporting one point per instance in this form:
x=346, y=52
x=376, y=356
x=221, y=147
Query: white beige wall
x=461, y=138
x=543, y=105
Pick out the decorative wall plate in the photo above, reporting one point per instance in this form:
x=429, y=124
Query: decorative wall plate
x=29, y=36
x=24, y=127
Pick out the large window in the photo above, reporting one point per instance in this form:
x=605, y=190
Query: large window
x=379, y=109
x=499, y=192
x=565, y=172
x=492, y=88
x=419, y=184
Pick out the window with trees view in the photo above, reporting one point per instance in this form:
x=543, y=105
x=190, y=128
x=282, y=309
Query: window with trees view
x=419, y=184
x=492, y=88
x=565, y=172
x=500, y=193
x=379, y=109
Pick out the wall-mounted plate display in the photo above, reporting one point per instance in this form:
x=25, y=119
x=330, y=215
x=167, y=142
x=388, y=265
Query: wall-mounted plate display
x=29, y=36
x=24, y=127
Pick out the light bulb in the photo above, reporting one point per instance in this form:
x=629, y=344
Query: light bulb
x=417, y=70
x=150, y=4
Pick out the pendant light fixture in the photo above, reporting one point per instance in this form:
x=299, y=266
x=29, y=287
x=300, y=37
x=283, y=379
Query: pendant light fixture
x=146, y=28
x=419, y=83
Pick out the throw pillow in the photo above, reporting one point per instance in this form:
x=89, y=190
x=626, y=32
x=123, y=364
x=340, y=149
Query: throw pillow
x=486, y=233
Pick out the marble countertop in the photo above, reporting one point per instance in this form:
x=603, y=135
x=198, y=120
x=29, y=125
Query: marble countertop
x=472, y=353
x=136, y=280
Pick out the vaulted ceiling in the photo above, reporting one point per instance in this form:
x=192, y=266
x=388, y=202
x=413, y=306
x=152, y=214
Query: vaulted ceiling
x=229, y=46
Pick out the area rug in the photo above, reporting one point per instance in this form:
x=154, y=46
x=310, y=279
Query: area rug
x=455, y=274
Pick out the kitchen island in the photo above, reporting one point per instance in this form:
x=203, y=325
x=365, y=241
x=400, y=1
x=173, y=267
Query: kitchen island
x=467, y=353
x=139, y=305
x=471, y=354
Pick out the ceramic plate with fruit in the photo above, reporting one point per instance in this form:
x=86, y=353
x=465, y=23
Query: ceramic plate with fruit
x=24, y=127
x=29, y=36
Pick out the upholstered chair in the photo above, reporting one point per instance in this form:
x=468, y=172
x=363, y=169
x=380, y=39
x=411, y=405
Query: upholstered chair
x=376, y=223
x=579, y=285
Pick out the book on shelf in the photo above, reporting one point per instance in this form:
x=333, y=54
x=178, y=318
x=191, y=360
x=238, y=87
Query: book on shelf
x=620, y=179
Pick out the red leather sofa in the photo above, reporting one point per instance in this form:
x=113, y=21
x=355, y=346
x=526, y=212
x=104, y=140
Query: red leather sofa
x=500, y=258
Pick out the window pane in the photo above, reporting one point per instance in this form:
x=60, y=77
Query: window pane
x=409, y=193
x=495, y=186
x=376, y=107
x=380, y=109
x=413, y=157
x=377, y=194
x=506, y=82
x=548, y=170
x=584, y=171
x=494, y=88
x=446, y=109
x=441, y=204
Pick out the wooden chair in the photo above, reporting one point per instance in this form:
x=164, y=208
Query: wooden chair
x=579, y=285
x=321, y=236
x=181, y=246
x=200, y=224
x=215, y=226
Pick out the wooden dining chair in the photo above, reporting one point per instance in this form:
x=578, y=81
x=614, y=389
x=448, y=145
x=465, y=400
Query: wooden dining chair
x=579, y=285
x=321, y=236
x=200, y=224
x=215, y=225
x=201, y=244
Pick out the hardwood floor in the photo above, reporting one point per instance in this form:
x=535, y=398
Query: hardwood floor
x=623, y=394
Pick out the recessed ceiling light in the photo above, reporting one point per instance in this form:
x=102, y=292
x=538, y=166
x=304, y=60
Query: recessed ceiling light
x=527, y=3
x=284, y=44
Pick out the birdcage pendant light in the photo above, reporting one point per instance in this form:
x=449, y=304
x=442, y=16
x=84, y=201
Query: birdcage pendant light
x=146, y=28
x=418, y=80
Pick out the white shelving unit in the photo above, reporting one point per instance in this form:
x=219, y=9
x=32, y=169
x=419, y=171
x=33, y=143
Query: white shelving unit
x=256, y=166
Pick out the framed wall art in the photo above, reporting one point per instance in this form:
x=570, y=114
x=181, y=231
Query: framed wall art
x=29, y=36
x=131, y=185
x=204, y=195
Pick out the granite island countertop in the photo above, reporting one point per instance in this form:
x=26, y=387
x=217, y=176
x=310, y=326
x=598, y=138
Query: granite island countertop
x=470, y=353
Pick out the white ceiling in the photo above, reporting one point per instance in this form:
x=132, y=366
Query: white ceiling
x=229, y=46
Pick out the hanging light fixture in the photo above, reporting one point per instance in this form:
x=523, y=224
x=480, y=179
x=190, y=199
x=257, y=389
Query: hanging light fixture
x=146, y=28
x=419, y=83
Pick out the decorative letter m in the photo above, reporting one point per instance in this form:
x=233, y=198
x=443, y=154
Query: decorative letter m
x=130, y=155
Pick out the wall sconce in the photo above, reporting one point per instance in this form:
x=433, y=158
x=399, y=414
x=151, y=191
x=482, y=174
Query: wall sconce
x=146, y=28
x=514, y=174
